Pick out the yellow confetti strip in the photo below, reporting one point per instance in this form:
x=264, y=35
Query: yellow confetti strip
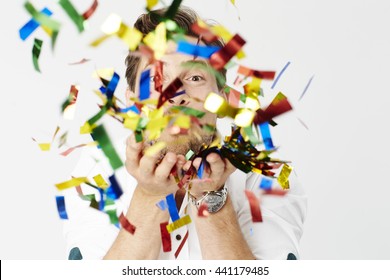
x=99, y=180
x=222, y=32
x=217, y=104
x=253, y=87
x=44, y=146
x=87, y=128
x=74, y=182
x=157, y=40
x=183, y=121
x=156, y=148
x=151, y=3
x=179, y=223
x=244, y=117
x=283, y=176
x=252, y=103
x=114, y=26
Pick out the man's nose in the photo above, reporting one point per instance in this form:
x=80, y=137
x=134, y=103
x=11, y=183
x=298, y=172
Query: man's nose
x=180, y=100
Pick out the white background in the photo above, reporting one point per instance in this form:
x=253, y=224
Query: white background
x=341, y=159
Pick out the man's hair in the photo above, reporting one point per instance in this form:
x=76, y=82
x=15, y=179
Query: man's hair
x=146, y=23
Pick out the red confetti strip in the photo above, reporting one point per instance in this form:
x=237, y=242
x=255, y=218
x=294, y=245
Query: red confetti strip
x=169, y=92
x=68, y=151
x=84, y=60
x=158, y=76
x=181, y=245
x=278, y=106
x=203, y=210
x=266, y=75
x=234, y=97
x=165, y=237
x=126, y=224
x=275, y=192
x=88, y=13
x=254, y=205
x=219, y=59
x=204, y=33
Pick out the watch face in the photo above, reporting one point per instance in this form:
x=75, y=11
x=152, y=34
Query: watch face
x=214, y=202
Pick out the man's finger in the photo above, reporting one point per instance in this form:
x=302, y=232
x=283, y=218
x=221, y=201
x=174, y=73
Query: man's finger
x=147, y=165
x=164, y=168
x=217, y=165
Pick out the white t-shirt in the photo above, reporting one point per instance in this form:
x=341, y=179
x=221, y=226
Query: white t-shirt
x=275, y=238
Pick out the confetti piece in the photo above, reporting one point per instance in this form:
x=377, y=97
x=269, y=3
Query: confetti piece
x=114, y=26
x=155, y=149
x=266, y=183
x=71, y=183
x=36, y=51
x=126, y=224
x=283, y=176
x=114, y=191
x=71, y=149
x=162, y=204
x=91, y=10
x=266, y=135
x=275, y=192
x=217, y=104
x=145, y=85
x=265, y=75
x=73, y=14
x=100, y=135
x=61, y=207
x=169, y=92
x=172, y=10
x=110, y=210
x=45, y=21
x=173, y=212
x=203, y=32
x=179, y=223
x=244, y=117
x=165, y=237
x=277, y=107
x=221, y=57
x=234, y=97
x=69, y=106
x=151, y=3
x=189, y=154
x=254, y=206
x=99, y=180
x=32, y=25
x=196, y=50
x=306, y=87
x=279, y=75
x=203, y=210
x=177, y=253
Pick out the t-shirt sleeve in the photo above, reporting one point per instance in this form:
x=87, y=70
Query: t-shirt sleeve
x=278, y=235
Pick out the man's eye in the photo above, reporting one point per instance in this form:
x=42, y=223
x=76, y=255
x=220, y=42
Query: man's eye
x=195, y=78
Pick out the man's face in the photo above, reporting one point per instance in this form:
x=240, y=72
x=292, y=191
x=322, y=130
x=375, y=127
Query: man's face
x=198, y=81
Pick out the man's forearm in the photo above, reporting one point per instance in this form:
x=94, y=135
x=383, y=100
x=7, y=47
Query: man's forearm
x=145, y=243
x=220, y=235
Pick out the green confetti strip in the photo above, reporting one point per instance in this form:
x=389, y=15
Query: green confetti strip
x=44, y=21
x=36, y=51
x=73, y=14
x=189, y=111
x=100, y=135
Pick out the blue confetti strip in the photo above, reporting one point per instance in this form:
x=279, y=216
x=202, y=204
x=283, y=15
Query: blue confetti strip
x=112, y=85
x=196, y=50
x=131, y=108
x=61, y=207
x=114, y=191
x=172, y=207
x=266, y=135
x=201, y=170
x=31, y=25
x=101, y=201
x=279, y=75
x=266, y=183
x=162, y=204
x=307, y=86
x=145, y=85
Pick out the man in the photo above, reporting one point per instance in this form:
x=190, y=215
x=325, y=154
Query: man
x=228, y=231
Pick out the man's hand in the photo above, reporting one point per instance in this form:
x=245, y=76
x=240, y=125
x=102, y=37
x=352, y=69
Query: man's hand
x=154, y=179
x=215, y=174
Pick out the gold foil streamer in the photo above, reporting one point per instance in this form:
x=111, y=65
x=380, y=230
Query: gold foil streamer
x=283, y=176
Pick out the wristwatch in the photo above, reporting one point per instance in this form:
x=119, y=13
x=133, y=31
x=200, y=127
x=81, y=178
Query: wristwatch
x=214, y=200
